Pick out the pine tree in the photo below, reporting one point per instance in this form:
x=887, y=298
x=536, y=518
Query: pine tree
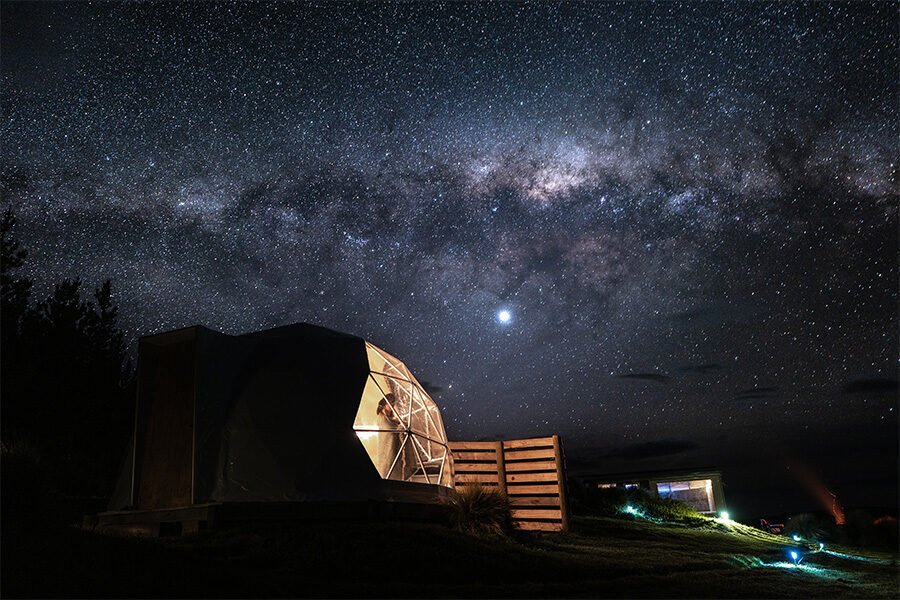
x=15, y=291
x=65, y=377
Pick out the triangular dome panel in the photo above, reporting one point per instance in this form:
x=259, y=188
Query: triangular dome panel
x=400, y=425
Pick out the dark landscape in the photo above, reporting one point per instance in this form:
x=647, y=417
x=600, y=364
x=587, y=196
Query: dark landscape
x=603, y=557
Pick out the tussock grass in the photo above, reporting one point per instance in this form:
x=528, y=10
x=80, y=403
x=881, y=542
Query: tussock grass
x=482, y=510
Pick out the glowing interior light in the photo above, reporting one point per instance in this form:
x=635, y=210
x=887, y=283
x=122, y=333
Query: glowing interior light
x=364, y=435
x=796, y=537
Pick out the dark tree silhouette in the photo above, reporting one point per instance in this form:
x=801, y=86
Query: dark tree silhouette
x=15, y=290
x=66, y=378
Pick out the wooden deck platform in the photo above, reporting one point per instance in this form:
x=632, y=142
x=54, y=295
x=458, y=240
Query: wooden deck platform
x=200, y=517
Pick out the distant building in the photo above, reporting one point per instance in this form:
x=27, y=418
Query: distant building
x=701, y=489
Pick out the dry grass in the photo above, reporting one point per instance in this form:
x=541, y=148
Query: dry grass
x=482, y=510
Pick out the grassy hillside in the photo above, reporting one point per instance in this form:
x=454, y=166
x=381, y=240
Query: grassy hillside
x=611, y=557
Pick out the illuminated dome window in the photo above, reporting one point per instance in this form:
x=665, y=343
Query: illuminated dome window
x=400, y=425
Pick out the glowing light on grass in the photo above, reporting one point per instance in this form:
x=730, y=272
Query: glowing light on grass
x=724, y=517
x=795, y=556
x=754, y=562
x=869, y=559
x=638, y=513
x=796, y=537
x=808, y=569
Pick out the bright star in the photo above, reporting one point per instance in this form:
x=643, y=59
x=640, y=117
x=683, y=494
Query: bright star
x=504, y=316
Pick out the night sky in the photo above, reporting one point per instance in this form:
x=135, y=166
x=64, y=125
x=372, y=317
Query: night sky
x=688, y=211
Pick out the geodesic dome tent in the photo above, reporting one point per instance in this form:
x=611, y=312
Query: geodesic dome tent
x=400, y=425
x=296, y=413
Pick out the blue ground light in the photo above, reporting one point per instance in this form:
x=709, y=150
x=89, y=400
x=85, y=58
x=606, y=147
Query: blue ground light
x=753, y=562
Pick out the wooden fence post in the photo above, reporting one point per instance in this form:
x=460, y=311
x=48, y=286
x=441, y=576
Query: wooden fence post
x=501, y=468
x=530, y=472
x=561, y=477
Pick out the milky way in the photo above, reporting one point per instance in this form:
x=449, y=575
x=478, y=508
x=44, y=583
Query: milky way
x=690, y=211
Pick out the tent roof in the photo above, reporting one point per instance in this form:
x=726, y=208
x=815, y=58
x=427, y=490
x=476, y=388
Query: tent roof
x=300, y=330
x=293, y=330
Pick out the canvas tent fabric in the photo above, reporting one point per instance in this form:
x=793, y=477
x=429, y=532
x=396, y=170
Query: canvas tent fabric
x=296, y=413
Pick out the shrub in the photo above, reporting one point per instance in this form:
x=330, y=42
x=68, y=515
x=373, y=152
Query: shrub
x=604, y=501
x=810, y=527
x=479, y=510
x=864, y=530
x=611, y=501
x=667, y=509
x=29, y=498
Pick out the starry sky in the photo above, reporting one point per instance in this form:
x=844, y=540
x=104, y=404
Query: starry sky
x=689, y=212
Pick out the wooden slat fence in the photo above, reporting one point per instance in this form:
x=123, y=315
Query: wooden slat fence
x=530, y=472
